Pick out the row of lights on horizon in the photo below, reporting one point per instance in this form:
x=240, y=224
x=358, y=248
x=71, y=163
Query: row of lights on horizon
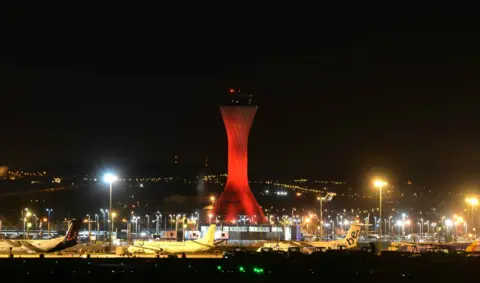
x=379, y=184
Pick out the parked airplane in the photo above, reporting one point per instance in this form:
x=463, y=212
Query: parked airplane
x=171, y=247
x=425, y=247
x=43, y=246
x=350, y=241
x=473, y=247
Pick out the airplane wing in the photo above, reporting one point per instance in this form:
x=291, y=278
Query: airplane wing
x=219, y=242
x=205, y=245
x=15, y=244
x=150, y=248
x=303, y=245
x=162, y=250
x=31, y=247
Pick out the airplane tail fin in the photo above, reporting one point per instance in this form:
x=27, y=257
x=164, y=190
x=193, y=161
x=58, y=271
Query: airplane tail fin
x=351, y=239
x=72, y=232
x=209, y=237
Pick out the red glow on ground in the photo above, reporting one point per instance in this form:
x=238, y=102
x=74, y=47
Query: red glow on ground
x=237, y=198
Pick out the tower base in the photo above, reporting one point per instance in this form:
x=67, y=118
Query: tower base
x=232, y=204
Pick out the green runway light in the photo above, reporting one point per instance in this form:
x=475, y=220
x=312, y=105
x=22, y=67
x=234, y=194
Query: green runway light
x=219, y=267
x=241, y=269
x=258, y=270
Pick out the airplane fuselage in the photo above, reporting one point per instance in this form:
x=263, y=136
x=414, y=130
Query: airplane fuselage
x=350, y=241
x=169, y=247
x=33, y=246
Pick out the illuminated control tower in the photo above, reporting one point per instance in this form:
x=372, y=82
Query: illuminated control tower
x=237, y=198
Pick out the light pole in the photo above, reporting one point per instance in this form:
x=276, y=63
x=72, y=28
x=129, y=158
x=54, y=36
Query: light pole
x=212, y=199
x=197, y=219
x=29, y=225
x=49, y=210
x=321, y=215
x=176, y=223
x=472, y=202
x=35, y=221
x=148, y=222
x=97, y=221
x=434, y=225
x=390, y=225
x=137, y=223
x=25, y=224
x=307, y=221
x=183, y=228
x=113, y=225
x=157, y=224
x=327, y=197
x=89, y=226
x=133, y=223
x=448, y=224
x=380, y=184
x=110, y=178
x=385, y=231
x=210, y=218
x=104, y=227
x=333, y=229
x=421, y=229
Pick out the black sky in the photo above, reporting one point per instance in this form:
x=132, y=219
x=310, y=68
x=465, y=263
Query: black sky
x=341, y=94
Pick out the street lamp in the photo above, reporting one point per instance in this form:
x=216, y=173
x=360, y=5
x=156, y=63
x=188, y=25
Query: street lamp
x=97, y=221
x=307, y=221
x=113, y=223
x=27, y=214
x=333, y=228
x=89, y=226
x=380, y=184
x=472, y=201
x=35, y=221
x=49, y=210
x=197, y=220
x=421, y=227
x=104, y=219
x=29, y=225
x=110, y=178
x=327, y=197
x=212, y=199
x=137, y=218
x=148, y=222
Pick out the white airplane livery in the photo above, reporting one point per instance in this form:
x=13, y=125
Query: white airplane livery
x=350, y=241
x=43, y=246
x=171, y=247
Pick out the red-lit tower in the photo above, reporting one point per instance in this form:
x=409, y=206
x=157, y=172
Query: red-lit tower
x=237, y=198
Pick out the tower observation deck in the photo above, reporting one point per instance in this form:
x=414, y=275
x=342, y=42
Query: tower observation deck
x=237, y=198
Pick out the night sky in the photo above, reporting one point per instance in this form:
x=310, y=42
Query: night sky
x=341, y=96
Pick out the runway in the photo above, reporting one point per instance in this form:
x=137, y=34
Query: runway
x=94, y=255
